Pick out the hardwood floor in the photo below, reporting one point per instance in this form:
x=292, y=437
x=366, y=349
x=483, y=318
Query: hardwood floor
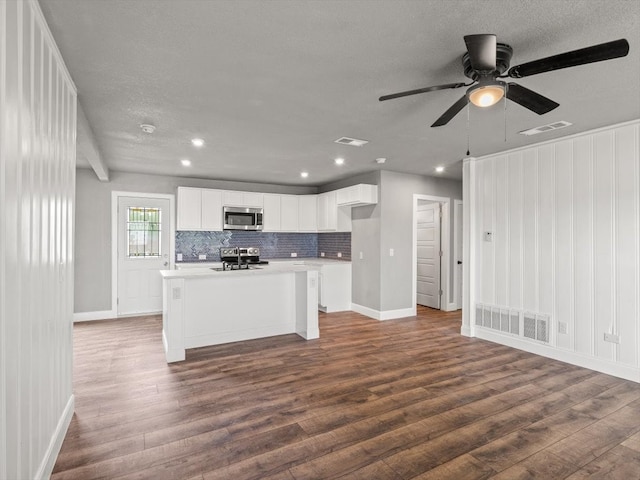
x=399, y=399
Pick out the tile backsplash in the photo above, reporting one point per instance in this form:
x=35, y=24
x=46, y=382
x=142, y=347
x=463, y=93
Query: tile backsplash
x=272, y=244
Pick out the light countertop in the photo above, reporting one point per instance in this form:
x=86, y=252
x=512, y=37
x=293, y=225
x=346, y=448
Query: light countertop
x=270, y=269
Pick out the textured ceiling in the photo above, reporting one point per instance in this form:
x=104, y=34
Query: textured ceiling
x=271, y=84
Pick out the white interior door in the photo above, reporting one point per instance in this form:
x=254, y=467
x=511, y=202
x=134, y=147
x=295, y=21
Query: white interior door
x=428, y=255
x=143, y=250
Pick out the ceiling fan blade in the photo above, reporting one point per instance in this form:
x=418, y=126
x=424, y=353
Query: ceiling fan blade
x=482, y=51
x=583, y=56
x=421, y=90
x=529, y=99
x=452, y=112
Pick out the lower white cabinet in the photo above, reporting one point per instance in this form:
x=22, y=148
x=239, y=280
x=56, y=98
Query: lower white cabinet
x=334, y=289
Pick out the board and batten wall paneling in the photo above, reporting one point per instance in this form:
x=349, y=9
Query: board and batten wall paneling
x=565, y=223
x=37, y=178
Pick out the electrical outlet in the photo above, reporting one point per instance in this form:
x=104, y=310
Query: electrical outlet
x=562, y=327
x=612, y=338
x=391, y=252
x=361, y=256
x=294, y=254
x=339, y=255
x=202, y=257
x=488, y=236
x=322, y=254
x=179, y=257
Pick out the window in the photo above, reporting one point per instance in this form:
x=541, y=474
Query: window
x=143, y=231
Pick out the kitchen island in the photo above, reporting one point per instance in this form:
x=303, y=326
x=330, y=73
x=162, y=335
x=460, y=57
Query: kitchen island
x=204, y=306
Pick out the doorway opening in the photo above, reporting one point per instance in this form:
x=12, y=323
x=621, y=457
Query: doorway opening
x=432, y=248
x=142, y=244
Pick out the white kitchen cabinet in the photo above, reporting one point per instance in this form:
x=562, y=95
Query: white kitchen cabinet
x=211, y=210
x=334, y=292
x=307, y=213
x=327, y=212
x=243, y=199
x=272, y=213
x=189, y=208
x=199, y=209
x=357, y=195
x=331, y=217
x=288, y=213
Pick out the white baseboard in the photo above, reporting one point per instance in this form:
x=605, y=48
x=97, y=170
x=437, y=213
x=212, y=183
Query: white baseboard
x=465, y=330
x=51, y=455
x=451, y=307
x=106, y=315
x=89, y=316
x=383, y=314
x=628, y=372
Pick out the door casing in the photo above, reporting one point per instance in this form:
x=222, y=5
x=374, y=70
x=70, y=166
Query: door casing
x=115, y=195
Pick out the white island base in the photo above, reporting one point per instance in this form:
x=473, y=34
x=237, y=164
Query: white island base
x=204, y=307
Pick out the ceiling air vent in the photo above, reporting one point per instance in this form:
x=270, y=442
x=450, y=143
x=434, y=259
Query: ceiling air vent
x=546, y=128
x=354, y=142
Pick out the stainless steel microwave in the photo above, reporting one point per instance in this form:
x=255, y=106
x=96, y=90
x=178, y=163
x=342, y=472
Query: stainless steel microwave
x=242, y=218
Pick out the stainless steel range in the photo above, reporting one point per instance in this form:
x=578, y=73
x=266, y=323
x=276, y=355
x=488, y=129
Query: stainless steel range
x=240, y=258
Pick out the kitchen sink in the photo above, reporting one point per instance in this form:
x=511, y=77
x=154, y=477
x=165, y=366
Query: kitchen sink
x=220, y=269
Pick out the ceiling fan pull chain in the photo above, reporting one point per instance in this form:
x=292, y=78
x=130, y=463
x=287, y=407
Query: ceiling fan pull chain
x=505, y=117
x=468, y=130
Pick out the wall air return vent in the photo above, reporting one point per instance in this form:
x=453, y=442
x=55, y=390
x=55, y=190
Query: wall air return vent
x=534, y=326
x=354, y=142
x=546, y=128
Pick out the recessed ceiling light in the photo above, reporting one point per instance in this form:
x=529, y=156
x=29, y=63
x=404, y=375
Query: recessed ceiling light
x=197, y=142
x=381, y=160
x=339, y=161
x=304, y=174
x=439, y=169
x=147, y=128
x=185, y=162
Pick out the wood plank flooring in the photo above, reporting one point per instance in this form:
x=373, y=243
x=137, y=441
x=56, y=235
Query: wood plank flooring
x=401, y=399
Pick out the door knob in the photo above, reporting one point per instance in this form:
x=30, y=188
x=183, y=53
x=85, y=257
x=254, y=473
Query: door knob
x=166, y=264
x=459, y=262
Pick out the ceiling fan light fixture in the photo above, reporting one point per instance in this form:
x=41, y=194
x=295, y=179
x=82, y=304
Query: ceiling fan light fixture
x=486, y=95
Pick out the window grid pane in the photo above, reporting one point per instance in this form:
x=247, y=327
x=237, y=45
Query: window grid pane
x=143, y=232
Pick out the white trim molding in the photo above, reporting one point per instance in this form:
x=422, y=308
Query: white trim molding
x=628, y=372
x=114, y=237
x=445, y=247
x=51, y=455
x=89, y=316
x=384, y=314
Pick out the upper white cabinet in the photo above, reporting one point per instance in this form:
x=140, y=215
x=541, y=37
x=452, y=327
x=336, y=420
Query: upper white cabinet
x=272, y=213
x=243, y=199
x=211, y=210
x=307, y=213
x=189, y=209
x=199, y=209
x=288, y=213
x=331, y=217
x=357, y=195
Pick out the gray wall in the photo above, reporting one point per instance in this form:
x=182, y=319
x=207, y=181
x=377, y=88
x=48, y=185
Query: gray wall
x=93, y=224
x=396, y=215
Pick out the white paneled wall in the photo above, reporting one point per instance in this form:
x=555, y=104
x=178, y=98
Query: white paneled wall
x=564, y=218
x=37, y=177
